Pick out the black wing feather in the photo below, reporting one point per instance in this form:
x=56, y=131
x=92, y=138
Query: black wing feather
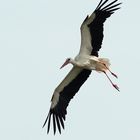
x=49, y=117
x=54, y=124
x=100, y=6
x=109, y=5
x=60, y=110
x=96, y=26
x=58, y=124
x=61, y=121
x=111, y=8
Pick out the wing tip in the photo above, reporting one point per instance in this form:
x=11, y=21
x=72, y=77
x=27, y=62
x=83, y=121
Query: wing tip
x=57, y=120
x=48, y=116
x=101, y=5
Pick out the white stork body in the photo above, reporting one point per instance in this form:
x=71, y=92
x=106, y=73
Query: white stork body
x=91, y=63
x=86, y=61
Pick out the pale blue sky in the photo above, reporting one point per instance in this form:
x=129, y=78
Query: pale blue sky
x=35, y=38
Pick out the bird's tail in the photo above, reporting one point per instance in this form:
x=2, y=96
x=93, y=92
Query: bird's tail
x=103, y=65
x=105, y=61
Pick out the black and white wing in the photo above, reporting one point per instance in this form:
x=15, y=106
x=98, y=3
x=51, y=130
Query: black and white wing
x=92, y=27
x=62, y=96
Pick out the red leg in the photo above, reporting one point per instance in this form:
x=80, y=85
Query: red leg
x=111, y=71
x=114, y=85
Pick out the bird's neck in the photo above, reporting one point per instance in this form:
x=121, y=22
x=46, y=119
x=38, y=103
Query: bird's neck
x=74, y=62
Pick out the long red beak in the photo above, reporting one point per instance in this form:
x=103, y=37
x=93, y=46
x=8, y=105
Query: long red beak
x=66, y=62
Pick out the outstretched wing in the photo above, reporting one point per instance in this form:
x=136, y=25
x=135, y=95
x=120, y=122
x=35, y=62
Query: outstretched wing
x=92, y=27
x=62, y=96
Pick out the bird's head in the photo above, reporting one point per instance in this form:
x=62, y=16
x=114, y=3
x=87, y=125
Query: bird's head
x=67, y=61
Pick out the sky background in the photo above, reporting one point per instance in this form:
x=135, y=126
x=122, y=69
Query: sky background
x=36, y=36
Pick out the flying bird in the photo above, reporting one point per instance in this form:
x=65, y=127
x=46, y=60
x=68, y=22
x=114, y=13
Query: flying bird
x=86, y=61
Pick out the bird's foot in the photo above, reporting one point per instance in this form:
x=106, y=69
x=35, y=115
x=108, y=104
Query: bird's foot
x=114, y=74
x=116, y=87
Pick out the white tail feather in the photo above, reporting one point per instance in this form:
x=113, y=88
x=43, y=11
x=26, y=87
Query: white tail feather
x=105, y=61
x=103, y=64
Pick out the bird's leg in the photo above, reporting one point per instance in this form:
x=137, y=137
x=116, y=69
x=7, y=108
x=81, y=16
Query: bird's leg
x=110, y=71
x=114, y=85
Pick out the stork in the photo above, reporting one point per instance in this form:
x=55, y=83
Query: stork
x=86, y=61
